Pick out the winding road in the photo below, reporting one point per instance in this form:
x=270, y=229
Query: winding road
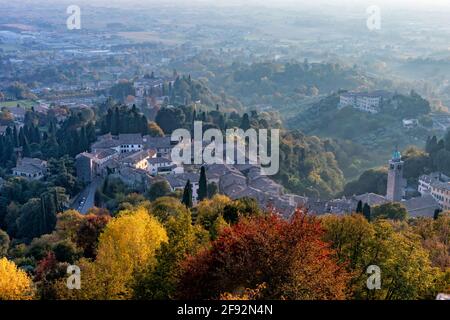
x=85, y=199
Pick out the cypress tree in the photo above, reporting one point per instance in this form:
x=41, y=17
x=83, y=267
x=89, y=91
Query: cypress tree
x=366, y=212
x=203, y=185
x=84, y=143
x=21, y=136
x=187, y=195
x=26, y=148
x=359, y=207
x=115, y=123
x=436, y=213
x=245, y=124
x=15, y=137
x=36, y=135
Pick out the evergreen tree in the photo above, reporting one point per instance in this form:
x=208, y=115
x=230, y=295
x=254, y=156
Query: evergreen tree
x=203, y=185
x=437, y=212
x=366, y=211
x=447, y=140
x=107, y=122
x=15, y=137
x=21, y=136
x=187, y=195
x=52, y=128
x=84, y=143
x=115, y=125
x=36, y=135
x=245, y=124
x=90, y=132
x=432, y=145
x=26, y=148
x=359, y=207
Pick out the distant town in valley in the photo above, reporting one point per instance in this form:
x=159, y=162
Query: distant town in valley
x=87, y=116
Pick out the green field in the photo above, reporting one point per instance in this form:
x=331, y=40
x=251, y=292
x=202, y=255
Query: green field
x=23, y=103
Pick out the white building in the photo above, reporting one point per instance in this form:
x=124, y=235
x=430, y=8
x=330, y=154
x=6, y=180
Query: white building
x=161, y=166
x=364, y=101
x=410, y=123
x=139, y=160
x=130, y=142
x=438, y=186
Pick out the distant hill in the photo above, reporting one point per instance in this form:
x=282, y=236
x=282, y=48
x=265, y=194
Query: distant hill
x=376, y=134
x=281, y=84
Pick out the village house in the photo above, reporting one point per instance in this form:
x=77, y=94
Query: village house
x=215, y=171
x=162, y=166
x=30, y=168
x=436, y=185
x=162, y=145
x=137, y=179
x=123, y=143
x=232, y=184
x=139, y=159
x=111, y=153
x=90, y=165
x=410, y=123
x=440, y=191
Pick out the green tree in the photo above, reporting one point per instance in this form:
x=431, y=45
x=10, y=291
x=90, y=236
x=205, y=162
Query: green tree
x=122, y=90
x=436, y=214
x=373, y=180
x=390, y=210
x=165, y=207
x=202, y=185
x=169, y=119
x=359, y=207
x=4, y=243
x=366, y=211
x=245, y=124
x=158, y=189
x=187, y=195
x=213, y=189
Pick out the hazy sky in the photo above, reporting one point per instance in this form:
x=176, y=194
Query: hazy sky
x=276, y=3
x=323, y=2
x=334, y=7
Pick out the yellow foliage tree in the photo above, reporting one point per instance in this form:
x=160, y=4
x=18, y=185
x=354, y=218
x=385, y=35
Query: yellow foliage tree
x=209, y=209
x=406, y=270
x=127, y=245
x=14, y=283
x=68, y=221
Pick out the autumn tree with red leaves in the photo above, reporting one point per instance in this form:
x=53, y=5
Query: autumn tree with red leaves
x=48, y=272
x=89, y=231
x=287, y=257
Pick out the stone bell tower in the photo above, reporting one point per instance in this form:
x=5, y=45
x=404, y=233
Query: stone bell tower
x=396, y=183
